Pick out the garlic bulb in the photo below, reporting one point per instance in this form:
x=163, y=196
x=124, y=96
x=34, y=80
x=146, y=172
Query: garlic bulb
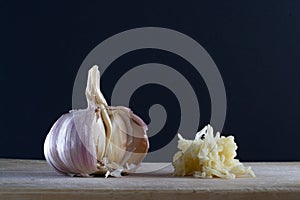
x=100, y=139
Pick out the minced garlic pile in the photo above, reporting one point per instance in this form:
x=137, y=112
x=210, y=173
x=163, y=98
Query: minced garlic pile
x=209, y=156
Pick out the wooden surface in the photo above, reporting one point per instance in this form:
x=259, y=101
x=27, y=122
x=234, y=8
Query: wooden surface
x=33, y=179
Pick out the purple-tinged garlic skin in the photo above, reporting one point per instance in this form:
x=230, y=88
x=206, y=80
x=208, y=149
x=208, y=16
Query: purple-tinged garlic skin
x=75, y=142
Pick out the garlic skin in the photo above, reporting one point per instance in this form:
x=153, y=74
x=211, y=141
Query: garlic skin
x=72, y=151
x=100, y=139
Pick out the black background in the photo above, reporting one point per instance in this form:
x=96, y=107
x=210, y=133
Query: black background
x=255, y=45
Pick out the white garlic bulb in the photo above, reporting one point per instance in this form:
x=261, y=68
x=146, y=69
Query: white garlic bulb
x=101, y=139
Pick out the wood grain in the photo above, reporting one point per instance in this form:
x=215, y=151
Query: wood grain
x=34, y=179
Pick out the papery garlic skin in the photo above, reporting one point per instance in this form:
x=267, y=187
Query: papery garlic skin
x=208, y=156
x=73, y=146
x=101, y=139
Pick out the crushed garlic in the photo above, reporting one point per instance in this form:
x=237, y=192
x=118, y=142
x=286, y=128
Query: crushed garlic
x=209, y=156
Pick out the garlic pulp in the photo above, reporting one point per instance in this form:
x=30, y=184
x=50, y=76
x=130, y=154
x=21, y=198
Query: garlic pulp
x=208, y=156
x=100, y=139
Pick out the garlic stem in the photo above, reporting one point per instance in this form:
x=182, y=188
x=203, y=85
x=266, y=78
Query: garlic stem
x=92, y=91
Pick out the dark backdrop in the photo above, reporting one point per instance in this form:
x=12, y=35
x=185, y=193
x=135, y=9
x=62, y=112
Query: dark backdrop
x=255, y=45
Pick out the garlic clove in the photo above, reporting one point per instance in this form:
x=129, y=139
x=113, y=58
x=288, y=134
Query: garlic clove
x=118, y=139
x=140, y=144
x=50, y=151
x=130, y=129
x=89, y=141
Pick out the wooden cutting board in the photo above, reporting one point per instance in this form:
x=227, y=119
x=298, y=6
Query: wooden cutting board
x=34, y=179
